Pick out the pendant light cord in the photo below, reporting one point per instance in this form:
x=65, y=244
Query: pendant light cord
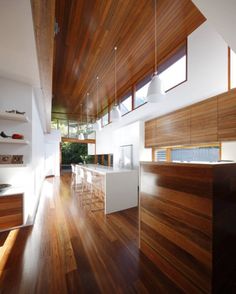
x=81, y=108
x=115, y=49
x=155, y=28
x=97, y=98
x=87, y=111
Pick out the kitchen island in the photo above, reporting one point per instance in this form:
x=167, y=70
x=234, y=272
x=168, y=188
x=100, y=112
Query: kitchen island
x=188, y=223
x=120, y=186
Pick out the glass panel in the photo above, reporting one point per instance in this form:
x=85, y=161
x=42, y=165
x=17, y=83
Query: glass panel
x=141, y=95
x=126, y=105
x=196, y=154
x=174, y=74
x=99, y=159
x=111, y=159
x=63, y=127
x=160, y=155
x=105, y=159
x=105, y=120
x=73, y=129
x=232, y=69
x=54, y=124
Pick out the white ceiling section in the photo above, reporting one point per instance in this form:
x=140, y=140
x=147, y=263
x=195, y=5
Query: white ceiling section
x=18, y=58
x=222, y=15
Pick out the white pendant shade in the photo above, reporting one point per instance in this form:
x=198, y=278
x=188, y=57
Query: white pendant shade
x=115, y=113
x=81, y=136
x=155, y=92
x=97, y=126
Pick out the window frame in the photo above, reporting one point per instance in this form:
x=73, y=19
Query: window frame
x=123, y=98
x=169, y=149
x=181, y=52
x=229, y=70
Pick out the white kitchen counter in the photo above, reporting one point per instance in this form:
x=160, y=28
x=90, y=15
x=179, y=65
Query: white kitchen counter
x=104, y=169
x=120, y=185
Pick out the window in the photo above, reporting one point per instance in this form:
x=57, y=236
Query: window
x=232, y=69
x=105, y=119
x=54, y=124
x=174, y=71
x=63, y=127
x=73, y=129
x=211, y=153
x=126, y=104
x=160, y=154
x=141, y=93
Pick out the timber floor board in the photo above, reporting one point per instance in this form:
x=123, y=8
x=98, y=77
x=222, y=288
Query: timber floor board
x=71, y=249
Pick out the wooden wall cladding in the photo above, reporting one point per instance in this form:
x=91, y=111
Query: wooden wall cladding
x=227, y=116
x=89, y=30
x=151, y=133
x=11, y=211
x=174, y=129
x=211, y=120
x=184, y=229
x=204, y=122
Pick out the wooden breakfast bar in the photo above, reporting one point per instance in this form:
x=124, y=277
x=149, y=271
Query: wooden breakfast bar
x=188, y=223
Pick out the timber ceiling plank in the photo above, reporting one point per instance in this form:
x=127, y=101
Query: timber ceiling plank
x=89, y=30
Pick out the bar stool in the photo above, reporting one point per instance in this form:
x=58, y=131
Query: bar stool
x=98, y=194
x=73, y=182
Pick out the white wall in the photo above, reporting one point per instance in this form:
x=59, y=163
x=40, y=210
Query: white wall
x=207, y=76
x=221, y=14
x=110, y=141
x=52, y=153
x=128, y=135
x=228, y=151
x=18, y=57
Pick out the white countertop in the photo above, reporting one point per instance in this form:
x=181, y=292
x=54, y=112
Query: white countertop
x=104, y=169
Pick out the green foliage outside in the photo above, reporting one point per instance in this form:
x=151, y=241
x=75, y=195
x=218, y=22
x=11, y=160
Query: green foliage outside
x=75, y=153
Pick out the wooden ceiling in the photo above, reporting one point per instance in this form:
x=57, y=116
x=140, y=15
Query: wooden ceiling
x=84, y=47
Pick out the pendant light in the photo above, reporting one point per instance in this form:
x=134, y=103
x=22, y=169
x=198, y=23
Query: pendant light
x=81, y=135
x=115, y=112
x=97, y=125
x=155, y=92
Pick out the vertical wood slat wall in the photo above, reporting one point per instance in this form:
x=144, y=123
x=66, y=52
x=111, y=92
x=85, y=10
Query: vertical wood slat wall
x=211, y=120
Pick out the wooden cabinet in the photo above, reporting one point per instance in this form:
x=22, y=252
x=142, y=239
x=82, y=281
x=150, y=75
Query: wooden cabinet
x=227, y=116
x=11, y=211
x=150, y=133
x=173, y=129
x=204, y=121
x=211, y=120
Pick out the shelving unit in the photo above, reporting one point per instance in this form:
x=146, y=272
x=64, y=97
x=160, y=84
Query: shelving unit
x=13, y=165
x=13, y=141
x=13, y=116
x=18, y=118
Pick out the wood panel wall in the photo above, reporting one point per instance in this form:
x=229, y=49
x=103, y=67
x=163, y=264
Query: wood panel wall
x=211, y=120
x=11, y=211
x=187, y=213
x=227, y=116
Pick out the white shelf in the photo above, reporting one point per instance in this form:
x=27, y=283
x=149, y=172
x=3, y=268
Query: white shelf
x=13, y=116
x=12, y=191
x=13, y=165
x=13, y=141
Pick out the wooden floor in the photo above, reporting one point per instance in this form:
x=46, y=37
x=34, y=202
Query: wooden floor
x=73, y=250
